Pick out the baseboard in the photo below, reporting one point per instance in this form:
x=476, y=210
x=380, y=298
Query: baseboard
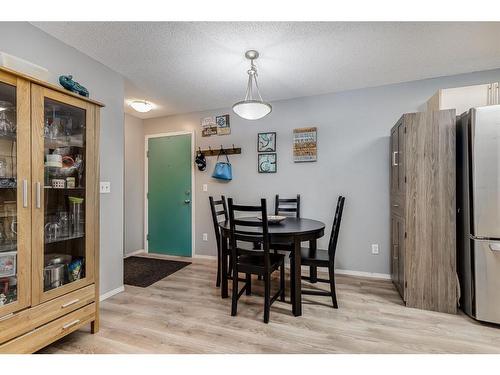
x=201, y=256
x=111, y=293
x=136, y=252
x=372, y=275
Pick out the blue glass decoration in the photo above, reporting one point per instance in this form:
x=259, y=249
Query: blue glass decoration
x=68, y=83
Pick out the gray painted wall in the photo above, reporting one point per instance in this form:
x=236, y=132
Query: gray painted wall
x=30, y=43
x=134, y=184
x=353, y=160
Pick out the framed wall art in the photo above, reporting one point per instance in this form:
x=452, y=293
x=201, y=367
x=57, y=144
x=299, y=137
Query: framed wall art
x=305, y=147
x=208, y=126
x=267, y=163
x=223, y=127
x=266, y=142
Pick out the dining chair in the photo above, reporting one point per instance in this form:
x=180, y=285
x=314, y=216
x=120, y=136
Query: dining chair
x=287, y=205
x=258, y=262
x=325, y=258
x=216, y=213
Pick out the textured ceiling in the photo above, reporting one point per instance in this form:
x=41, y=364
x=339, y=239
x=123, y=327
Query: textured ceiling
x=192, y=66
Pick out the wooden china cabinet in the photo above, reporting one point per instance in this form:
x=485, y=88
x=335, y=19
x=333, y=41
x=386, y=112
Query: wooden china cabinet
x=49, y=213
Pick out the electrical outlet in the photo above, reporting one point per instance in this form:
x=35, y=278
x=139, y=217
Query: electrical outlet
x=205, y=187
x=105, y=187
x=205, y=237
x=375, y=248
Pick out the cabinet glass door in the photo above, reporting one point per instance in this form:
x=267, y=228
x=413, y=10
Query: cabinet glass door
x=61, y=195
x=14, y=209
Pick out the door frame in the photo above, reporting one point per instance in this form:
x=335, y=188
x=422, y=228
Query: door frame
x=146, y=187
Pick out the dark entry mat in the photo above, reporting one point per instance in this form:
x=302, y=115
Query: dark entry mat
x=143, y=272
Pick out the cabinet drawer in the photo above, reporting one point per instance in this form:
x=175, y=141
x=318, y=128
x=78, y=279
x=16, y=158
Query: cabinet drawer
x=43, y=336
x=26, y=320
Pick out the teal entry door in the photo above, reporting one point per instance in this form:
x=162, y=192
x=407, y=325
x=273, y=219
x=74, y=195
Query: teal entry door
x=169, y=195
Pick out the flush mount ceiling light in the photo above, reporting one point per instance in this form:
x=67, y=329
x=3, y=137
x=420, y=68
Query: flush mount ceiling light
x=253, y=107
x=141, y=106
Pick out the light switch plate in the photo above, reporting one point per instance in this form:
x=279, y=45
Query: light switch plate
x=205, y=187
x=105, y=187
x=375, y=249
x=205, y=236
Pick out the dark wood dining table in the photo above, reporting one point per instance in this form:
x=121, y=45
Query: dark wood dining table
x=291, y=230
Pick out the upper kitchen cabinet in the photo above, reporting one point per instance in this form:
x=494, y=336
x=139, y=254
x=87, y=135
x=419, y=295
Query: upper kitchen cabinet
x=15, y=212
x=463, y=98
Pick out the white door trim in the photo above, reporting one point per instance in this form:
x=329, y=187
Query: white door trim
x=146, y=188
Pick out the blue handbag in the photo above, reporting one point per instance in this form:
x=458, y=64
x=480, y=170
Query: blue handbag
x=223, y=170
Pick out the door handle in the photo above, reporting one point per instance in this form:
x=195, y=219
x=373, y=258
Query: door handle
x=187, y=201
x=38, y=198
x=25, y=193
x=495, y=246
x=394, y=164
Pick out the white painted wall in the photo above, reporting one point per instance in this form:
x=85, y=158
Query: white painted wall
x=30, y=43
x=134, y=185
x=353, y=160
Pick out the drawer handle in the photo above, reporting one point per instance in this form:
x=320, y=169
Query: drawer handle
x=395, y=205
x=69, y=325
x=70, y=303
x=5, y=317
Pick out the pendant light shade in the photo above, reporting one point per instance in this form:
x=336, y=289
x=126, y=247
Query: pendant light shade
x=252, y=107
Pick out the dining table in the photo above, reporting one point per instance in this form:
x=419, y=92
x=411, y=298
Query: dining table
x=293, y=231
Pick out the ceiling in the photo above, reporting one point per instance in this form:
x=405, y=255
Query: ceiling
x=193, y=66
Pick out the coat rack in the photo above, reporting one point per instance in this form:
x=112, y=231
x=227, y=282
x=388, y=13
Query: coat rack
x=215, y=152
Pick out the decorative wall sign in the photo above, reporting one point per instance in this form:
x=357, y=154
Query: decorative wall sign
x=223, y=127
x=266, y=142
x=208, y=126
x=267, y=163
x=305, y=145
x=214, y=125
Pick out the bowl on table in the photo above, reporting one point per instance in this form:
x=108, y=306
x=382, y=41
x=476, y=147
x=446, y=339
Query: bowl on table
x=274, y=219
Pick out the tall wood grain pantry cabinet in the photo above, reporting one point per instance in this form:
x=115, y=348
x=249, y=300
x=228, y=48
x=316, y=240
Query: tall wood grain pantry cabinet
x=422, y=198
x=49, y=207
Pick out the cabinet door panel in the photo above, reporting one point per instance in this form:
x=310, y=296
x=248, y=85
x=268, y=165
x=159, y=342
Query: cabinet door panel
x=401, y=158
x=15, y=213
x=394, y=155
x=64, y=164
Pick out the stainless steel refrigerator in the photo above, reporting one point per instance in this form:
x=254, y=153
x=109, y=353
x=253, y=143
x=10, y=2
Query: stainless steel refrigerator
x=478, y=212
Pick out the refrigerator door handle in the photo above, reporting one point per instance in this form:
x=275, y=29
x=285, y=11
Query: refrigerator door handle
x=495, y=246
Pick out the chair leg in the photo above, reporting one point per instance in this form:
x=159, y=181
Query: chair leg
x=248, y=289
x=282, y=281
x=230, y=269
x=267, y=297
x=234, y=302
x=313, y=274
x=331, y=273
x=219, y=265
x=292, y=281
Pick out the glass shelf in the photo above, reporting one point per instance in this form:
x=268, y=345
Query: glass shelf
x=65, y=238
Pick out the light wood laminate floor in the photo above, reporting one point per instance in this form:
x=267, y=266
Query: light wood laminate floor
x=184, y=313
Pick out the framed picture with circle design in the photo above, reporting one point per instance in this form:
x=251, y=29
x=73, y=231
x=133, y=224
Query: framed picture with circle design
x=267, y=163
x=266, y=142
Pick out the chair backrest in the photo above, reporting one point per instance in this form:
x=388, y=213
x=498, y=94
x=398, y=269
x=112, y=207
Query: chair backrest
x=218, y=208
x=249, y=229
x=287, y=205
x=332, y=246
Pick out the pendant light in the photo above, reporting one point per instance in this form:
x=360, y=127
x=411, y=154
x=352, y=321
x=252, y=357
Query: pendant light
x=253, y=107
